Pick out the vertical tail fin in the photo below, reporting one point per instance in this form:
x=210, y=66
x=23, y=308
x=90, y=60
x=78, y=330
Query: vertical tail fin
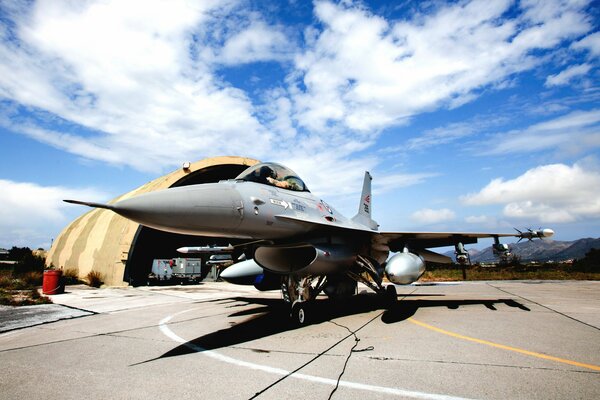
x=364, y=207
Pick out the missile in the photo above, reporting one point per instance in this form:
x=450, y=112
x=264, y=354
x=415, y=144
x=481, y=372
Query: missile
x=205, y=249
x=531, y=234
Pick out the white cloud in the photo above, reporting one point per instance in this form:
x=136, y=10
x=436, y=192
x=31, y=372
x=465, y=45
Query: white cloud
x=549, y=193
x=393, y=181
x=430, y=216
x=572, y=133
x=125, y=71
x=258, y=42
x=141, y=83
x=566, y=76
x=147, y=93
x=442, y=135
x=590, y=43
x=29, y=211
x=452, y=132
x=574, y=120
x=367, y=73
x=539, y=211
x=479, y=219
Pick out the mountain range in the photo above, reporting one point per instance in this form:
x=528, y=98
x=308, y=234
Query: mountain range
x=539, y=250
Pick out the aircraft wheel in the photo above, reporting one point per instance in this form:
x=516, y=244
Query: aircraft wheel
x=391, y=294
x=300, y=313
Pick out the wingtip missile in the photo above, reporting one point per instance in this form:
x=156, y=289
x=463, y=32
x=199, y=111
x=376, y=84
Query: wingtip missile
x=537, y=234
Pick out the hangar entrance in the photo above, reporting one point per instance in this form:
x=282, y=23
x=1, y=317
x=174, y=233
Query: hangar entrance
x=150, y=244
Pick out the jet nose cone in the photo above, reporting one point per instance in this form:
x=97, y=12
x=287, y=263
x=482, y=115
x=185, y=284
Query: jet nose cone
x=206, y=209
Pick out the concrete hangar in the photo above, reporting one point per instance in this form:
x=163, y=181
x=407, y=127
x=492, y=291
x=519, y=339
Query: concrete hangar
x=122, y=250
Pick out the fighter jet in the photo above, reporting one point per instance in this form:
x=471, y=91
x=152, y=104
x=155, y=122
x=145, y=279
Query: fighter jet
x=289, y=239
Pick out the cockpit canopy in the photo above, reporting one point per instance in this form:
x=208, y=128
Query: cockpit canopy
x=274, y=175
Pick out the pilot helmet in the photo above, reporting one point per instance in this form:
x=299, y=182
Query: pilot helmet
x=266, y=172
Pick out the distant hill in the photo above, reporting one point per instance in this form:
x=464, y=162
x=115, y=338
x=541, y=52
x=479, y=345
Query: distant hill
x=539, y=250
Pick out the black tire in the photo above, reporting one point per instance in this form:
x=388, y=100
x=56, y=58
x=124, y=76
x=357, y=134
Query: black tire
x=391, y=295
x=300, y=313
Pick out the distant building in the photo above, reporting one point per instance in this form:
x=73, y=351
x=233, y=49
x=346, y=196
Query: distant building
x=4, y=254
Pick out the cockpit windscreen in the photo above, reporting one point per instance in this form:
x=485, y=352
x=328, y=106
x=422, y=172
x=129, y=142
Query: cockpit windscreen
x=274, y=175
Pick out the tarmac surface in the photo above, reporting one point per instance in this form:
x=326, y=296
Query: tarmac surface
x=484, y=340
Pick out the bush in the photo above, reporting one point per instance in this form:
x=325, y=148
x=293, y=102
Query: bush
x=590, y=263
x=33, y=278
x=26, y=260
x=18, y=253
x=15, y=292
x=5, y=279
x=94, y=278
x=71, y=276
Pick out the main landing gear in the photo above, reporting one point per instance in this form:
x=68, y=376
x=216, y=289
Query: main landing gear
x=300, y=292
x=375, y=272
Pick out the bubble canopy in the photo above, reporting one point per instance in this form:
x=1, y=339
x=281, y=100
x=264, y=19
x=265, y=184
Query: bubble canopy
x=275, y=175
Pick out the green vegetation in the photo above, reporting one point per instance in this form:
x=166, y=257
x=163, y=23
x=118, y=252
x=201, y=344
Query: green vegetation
x=19, y=282
x=492, y=274
x=71, y=277
x=590, y=263
x=588, y=268
x=21, y=290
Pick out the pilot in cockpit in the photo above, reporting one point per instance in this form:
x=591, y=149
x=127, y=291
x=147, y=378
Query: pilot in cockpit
x=264, y=175
x=267, y=175
x=283, y=184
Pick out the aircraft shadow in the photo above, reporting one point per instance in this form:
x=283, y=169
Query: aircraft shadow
x=271, y=316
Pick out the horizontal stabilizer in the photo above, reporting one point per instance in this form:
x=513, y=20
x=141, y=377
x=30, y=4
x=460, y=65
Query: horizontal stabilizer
x=90, y=204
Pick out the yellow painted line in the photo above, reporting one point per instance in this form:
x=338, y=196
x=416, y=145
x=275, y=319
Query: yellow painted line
x=509, y=348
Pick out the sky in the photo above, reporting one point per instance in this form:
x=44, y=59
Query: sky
x=471, y=116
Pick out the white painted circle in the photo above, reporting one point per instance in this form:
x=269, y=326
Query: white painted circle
x=279, y=371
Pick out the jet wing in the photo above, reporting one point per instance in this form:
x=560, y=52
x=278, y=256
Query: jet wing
x=396, y=241
x=318, y=224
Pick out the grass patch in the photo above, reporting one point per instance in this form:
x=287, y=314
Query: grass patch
x=71, y=277
x=22, y=289
x=518, y=272
x=94, y=279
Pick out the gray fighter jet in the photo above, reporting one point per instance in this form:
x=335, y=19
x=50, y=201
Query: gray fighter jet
x=290, y=239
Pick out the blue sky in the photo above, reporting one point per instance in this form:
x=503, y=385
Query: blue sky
x=470, y=115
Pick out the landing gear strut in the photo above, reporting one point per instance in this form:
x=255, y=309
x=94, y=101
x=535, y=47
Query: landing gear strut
x=463, y=258
x=375, y=272
x=300, y=292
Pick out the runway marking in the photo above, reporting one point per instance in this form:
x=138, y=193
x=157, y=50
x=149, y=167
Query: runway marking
x=504, y=347
x=279, y=371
